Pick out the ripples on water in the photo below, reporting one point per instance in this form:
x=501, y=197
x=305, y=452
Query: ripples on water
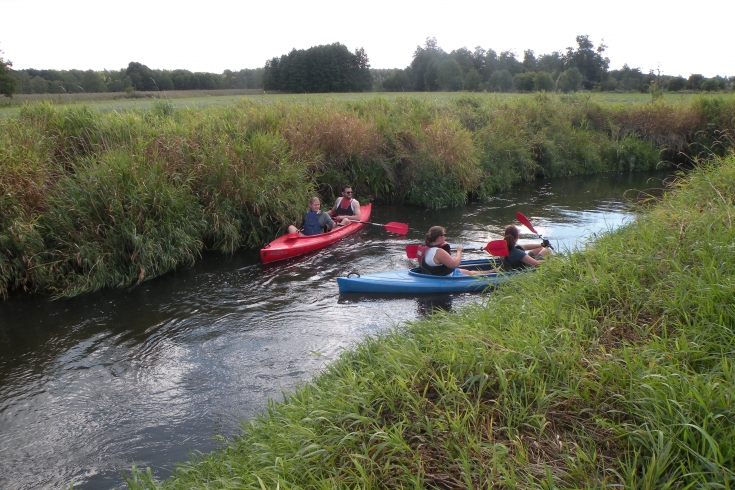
x=91, y=385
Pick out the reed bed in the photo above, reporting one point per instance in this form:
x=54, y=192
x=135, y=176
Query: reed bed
x=610, y=367
x=236, y=176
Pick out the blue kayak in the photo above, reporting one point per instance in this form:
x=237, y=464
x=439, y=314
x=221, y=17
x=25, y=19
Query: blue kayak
x=412, y=281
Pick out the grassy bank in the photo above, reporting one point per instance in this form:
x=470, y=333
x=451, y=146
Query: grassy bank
x=92, y=199
x=612, y=366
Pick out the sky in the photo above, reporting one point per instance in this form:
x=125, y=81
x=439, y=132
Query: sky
x=674, y=37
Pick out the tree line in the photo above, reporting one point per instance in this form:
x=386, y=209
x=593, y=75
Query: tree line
x=583, y=67
x=136, y=77
x=333, y=68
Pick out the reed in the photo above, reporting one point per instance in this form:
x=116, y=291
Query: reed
x=611, y=366
x=250, y=167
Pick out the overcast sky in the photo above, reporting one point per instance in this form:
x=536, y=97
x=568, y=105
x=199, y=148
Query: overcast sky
x=677, y=37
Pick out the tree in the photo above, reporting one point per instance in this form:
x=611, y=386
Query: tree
x=38, y=85
x=7, y=82
x=501, y=80
x=319, y=69
x=142, y=77
x=472, y=80
x=425, y=59
x=714, y=84
x=491, y=64
x=544, y=82
x=524, y=82
x=569, y=81
x=507, y=61
x=529, y=60
x=552, y=64
x=397, y=82
x=588, y=60
x=464, y=57
x=449, y=75
x=695, y=81
x=92, y=82
x=676, y=83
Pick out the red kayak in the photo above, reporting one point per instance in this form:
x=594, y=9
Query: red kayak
x=287, y=246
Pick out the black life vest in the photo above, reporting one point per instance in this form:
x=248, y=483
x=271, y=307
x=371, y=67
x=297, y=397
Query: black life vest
x=434, y=270
x=343, y=210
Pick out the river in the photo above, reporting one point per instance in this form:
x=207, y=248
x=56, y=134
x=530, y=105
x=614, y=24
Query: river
x=92, y=385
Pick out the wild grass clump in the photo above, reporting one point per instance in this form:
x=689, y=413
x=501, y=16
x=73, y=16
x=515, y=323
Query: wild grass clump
x=116, y=220
x=610, y=366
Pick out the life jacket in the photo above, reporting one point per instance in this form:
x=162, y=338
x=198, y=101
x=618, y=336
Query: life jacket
x=509, y=266
x=311, y=223
x=421, y=251
x=343, y=210
x=434, y=270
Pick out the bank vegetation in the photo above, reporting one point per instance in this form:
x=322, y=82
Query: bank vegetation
x=92, y=199
x=611, y=366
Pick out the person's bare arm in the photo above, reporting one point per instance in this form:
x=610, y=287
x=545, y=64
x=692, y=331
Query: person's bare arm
x=444, y=258
x=356, y=209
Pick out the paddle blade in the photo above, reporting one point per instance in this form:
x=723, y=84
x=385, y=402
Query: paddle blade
x=399, y=228
x=411, y=251
x=498, y=248
x=526, y=223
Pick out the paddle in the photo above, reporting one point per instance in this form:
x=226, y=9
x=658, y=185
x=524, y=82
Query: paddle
x=528, y=225
x=498, y=248
x=392, y=227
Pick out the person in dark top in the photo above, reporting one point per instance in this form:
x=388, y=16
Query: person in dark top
x=522, y=256
x=346, y=208
x=315, y=220
x=435, y=258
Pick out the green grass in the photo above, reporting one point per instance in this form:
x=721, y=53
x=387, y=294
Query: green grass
x=611, y=366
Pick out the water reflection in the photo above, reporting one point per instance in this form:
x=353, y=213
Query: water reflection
x=424, y=304
x=88, y=386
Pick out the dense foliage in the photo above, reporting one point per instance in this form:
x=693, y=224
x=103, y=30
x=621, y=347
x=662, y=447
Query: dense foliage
x=93, y=199
x=7, y=82
x=580, y=68
x=329, y=68
x=136, y=76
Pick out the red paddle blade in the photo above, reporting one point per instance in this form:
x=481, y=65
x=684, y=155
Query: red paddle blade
x=399, y=228
x=526, y=223
x=498, y=248
x=411, y=251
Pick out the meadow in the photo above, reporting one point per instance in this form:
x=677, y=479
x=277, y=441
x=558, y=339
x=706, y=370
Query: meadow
x=609, y=367
x=96, y=197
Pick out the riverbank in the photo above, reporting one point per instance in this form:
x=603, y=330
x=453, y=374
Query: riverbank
x=92, y=199
x=611, y=366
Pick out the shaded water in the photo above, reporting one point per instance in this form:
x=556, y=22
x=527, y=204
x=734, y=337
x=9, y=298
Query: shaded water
x=90, y=386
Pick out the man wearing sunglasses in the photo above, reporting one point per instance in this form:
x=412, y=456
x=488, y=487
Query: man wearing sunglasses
x=346, y=209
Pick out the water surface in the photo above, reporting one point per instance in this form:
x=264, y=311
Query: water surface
x=92, y=385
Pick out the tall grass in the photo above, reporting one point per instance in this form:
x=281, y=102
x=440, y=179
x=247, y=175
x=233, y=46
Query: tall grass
x=609, y=367
x=249, y=168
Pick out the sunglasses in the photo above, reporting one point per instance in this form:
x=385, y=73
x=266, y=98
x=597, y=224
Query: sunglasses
x=348, y=192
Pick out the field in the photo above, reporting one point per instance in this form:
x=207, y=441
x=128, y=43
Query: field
x=207, y=98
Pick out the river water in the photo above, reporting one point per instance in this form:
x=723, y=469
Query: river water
x=92, y=385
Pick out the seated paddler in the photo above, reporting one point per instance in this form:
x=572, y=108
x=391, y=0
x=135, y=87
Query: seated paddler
x=434, y=258
x=346, y=208
x=316, y=221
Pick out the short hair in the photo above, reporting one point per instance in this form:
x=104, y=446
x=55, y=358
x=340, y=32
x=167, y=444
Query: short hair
x=346, y=186
x=313, y=199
